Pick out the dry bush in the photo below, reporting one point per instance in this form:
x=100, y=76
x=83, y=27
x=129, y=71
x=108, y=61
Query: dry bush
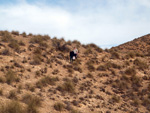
x=6, y=52
x=24, y=34
x=75, y=111
x=88, y=51
x=6, y=37
x=2, y=79
x=59, y=106
x=36, y=60
x=130, y=71
x=15, y=45
x=15, y=33
x=12, y=107
x=37, y=39
x=98, y=49
x=91, y=67
x=33, y=103
x=115, y=55
x=78, y=68
x=12, y=95
x=141, y=65
x=130, y=55
x=37, y=51
x=121, y=85
x=1, y=92
x=21, y=43
x=68, y=86
x=46, y=81
x=115, y=98
x=102, y=68
x=136, y=80
x=11, y=77
x=89, y=75
x=136, y=102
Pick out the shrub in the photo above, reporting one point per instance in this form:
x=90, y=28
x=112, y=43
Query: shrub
x=91, y=68
x=15, y=45
x=98, y=49
x=140, y=64
x=2, y=79
x=68, y=86
x=101, y=68
x=130, y=71
x=24, y=34
x=5, y=52
x=89, y=75
x=1, y=92
x=115, y=55
x=11, y=77
x=115, y=98
x=88, y=51
x=21, y=43
x=36, y=60
x=130, y=55
x=59, y=106
x=12, y=107
x=15, y=33
x=33, y=103
x=46, y=81
x=6, y=37
x=12, y=94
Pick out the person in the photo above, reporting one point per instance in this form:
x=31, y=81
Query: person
x=75, y=52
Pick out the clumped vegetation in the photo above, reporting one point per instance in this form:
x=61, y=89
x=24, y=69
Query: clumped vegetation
x=46, y=81
x=12, y=107
x=68, y=86
x=11, y=77
x=33, y=103
x=6, y=37
x=59, y=106
x=141, y=65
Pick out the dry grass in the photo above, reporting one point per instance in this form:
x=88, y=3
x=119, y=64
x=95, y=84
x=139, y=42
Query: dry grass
x=59, y=106
x=6, y=37
x=12, y=107
x=68, y=86
x=46, y=81
x=11, y=77
x=15, y=45
x=33, y=103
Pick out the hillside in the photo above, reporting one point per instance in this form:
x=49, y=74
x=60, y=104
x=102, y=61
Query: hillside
x=37, y=77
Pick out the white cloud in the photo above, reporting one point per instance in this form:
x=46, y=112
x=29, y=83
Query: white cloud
x=105, y=24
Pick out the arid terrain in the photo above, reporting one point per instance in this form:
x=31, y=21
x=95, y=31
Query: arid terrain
x=36, y=76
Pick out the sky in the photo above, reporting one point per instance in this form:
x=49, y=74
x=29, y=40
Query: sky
x=107, y=23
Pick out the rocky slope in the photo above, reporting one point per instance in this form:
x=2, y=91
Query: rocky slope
x=36, y=76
